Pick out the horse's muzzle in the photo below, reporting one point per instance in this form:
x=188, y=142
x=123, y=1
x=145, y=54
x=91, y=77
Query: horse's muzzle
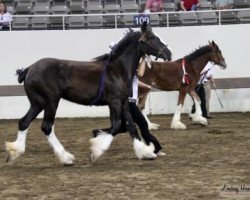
x=223, y=64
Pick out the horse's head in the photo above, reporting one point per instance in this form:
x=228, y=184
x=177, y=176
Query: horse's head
x=151, y=44
x=216, y=55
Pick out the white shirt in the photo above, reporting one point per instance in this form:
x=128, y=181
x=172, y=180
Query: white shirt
x=134, y=89
x=207, y=72
x=5, y=18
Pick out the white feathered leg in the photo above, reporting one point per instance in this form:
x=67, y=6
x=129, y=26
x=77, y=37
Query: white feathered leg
x=197, y=116
x=65, y=157
x=176, y=121
x=151, y=126
x=143, y=151
x=17, y=148
x=99, y=145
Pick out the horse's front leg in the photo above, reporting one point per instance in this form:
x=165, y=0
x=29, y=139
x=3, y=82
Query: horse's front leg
x=197, y=116
x=142, y=150
x=102, y=141
x=176, y=121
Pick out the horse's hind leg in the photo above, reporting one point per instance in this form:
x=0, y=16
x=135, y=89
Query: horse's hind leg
x=197, y=116
x=17, y=148
x=48, y=128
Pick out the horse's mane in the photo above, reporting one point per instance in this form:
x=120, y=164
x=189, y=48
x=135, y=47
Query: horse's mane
x=118, y=48
x=197, y=53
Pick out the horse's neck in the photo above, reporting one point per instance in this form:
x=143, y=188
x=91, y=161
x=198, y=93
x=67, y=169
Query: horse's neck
x=200, y=63
x=130, y=60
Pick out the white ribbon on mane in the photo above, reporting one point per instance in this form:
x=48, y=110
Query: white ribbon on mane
x=148, y=60
x=184, y=71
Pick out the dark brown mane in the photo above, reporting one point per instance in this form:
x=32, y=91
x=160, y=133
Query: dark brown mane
x=197, y=53
x=118, y=48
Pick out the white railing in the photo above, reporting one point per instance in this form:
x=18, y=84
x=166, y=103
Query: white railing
x=119, y=15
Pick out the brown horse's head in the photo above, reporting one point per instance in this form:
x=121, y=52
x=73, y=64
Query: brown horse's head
x=216, y=55
x=151, y=44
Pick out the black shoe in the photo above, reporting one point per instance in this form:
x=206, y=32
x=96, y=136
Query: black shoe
x=209, y=117
x=96, y=132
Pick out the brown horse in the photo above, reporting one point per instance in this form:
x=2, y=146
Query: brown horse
x=181, y=75
x=107, y=80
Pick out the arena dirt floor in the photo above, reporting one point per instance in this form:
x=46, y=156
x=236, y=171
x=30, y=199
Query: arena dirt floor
x=210, y=162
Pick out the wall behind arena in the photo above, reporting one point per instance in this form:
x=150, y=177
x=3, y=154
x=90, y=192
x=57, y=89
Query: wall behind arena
x=22, y=48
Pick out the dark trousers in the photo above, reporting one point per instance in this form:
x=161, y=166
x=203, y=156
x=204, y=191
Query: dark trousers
x=140, y=120
x=201, y=93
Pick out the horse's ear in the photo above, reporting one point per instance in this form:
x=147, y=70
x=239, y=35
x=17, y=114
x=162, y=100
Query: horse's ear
x=144, y=26
x=209, y=42
x=213, y=43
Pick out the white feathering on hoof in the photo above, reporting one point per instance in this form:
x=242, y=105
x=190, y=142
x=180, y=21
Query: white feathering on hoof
x=17, y=148
x=197, y=116
x=65, y=157
x=178, y=125
x=176, y=121
x=13, y=151
x=143, y=151
x=99, y=145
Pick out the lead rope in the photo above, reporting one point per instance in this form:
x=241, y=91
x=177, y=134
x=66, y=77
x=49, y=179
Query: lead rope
x=101, y=82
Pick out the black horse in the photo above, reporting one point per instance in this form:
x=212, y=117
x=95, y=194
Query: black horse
x=105, y=81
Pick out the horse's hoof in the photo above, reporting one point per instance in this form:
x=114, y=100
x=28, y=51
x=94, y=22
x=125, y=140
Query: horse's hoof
x=143, y=151
x=93, y=158
x=153, y=126
x=160, y=153
x=8, y=158
x=203, y=121
x=68, y=164
x=178, y=125
x=13, y=151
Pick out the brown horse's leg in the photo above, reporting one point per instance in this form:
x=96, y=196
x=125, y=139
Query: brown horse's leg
x=176, y=121
x=141, y=104
x=197, y=116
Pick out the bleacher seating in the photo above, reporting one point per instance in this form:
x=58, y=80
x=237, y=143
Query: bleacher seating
x=129, y=6
x=77, y=6
x=71, y=7
x=76, y=22
x=23, y=6
x=228, y=17
x=208, y=18
x=188, y=19
x=241, y=3
x=205, y=5
x=39, y=23
x=243, y=16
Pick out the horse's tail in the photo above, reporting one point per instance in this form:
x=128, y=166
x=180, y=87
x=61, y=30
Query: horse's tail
x=21, y=73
